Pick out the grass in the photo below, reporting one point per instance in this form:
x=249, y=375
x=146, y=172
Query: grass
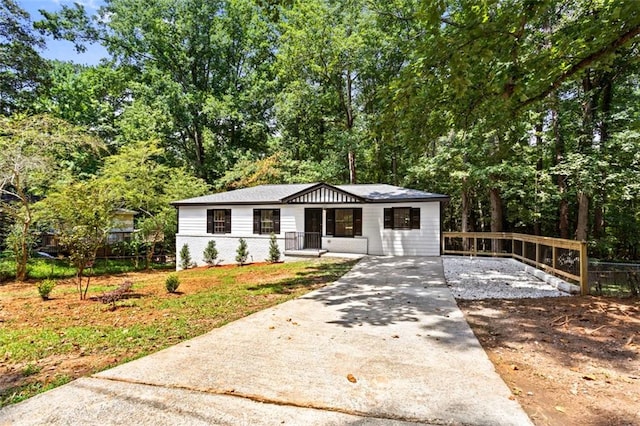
x=61, y=268
x=66, y=335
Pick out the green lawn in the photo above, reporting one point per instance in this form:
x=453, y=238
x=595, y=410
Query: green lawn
x=41, y=268
x=67, y=338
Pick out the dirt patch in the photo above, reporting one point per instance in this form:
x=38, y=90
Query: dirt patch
x=566, y=360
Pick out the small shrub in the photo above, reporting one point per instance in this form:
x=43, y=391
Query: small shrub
x=172, y=283
x=185, y=257
x=45, y=287
x=274, y=250
x=242, y=253
x=210, y=254
x=30, y=370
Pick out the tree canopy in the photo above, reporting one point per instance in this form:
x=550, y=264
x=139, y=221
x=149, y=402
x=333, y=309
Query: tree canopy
x=525, y=112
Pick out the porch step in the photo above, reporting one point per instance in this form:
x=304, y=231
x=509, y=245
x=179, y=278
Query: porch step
x=305, y=253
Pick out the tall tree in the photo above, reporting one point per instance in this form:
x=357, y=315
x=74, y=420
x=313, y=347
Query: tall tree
x=333, y=59
x=207, y=62
x=138, y=179
x=35, y=151
x=22, y=70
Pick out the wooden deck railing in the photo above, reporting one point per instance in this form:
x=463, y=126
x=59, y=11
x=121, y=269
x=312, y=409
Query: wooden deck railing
x=560, y=257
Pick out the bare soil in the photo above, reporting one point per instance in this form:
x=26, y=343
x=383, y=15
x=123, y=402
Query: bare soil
x=568, y=360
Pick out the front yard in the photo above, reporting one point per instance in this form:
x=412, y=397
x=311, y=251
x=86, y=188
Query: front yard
x=44, y=344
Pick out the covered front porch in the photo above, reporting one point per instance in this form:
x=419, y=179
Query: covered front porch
x=314, y=244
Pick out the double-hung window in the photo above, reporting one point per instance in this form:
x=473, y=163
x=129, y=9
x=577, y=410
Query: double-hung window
x=266, y=221
x=344, y=222
x=402, y=218
x=219, y=221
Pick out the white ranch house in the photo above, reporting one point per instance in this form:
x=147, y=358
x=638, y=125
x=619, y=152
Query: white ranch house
x=313, y=219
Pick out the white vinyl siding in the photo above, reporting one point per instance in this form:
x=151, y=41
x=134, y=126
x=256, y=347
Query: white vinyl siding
x=403, y=242
x=375, y=240
x=193, y=219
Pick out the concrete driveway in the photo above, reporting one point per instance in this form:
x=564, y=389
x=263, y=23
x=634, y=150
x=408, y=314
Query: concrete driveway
x=386, y=344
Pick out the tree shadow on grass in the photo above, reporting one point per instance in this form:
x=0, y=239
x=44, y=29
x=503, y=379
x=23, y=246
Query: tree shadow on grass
x=312, y=277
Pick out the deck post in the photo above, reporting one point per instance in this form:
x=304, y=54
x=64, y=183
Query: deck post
x=584, y=269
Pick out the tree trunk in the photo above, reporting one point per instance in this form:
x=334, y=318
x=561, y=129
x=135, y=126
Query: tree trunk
x=585, y=147
x=496, y=216
x=536, y=206
x=598, y=211
x=466, y=216
x=561, y=180
x=22, y=256
x=394, y=166
x=352, y=167
x=149, y=256
x=583, y=216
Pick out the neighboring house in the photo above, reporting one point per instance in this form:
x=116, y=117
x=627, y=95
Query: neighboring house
x=122, y=227
x=121, y=231
x=313, y=218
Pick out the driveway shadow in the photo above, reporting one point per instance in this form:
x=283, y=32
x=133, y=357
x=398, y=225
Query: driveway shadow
x=383, y=292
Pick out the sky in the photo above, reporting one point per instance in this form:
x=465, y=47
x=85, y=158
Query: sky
x=59, y=49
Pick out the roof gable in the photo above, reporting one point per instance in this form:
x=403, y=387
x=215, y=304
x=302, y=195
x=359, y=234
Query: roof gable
x=322, y=193
x=314, y=193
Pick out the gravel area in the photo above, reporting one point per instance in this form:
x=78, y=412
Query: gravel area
x=490, y=278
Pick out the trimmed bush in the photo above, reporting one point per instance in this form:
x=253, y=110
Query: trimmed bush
x=185, y=257
x=172, y=282
x=210, y=254
x=242, y=253
x=45, y=287
x=274, y=250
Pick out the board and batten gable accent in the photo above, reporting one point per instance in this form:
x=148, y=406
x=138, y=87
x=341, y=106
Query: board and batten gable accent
x=323, y=195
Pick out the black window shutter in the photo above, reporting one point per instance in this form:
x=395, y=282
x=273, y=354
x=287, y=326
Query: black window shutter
x=357, y=222
x=227, y=221
x=415, y=218
x=276, y=221
x=256, y=221
x=331, y=216
x=209, y=221
x=388, y=218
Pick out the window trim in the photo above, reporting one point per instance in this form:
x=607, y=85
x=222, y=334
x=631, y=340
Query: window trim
x=257, y=221
x=414, y=218
x=211, y=221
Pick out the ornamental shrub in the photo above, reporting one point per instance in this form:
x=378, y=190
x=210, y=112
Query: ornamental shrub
x=242, y=253
x=172, y=282
x=274, y=250
x=45, y=287
x=210, y=254
x=185, y=257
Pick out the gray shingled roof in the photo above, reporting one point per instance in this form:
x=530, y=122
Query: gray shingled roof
x=384, y=192
x=274, y=194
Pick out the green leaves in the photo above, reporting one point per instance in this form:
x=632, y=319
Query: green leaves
x=22, y=70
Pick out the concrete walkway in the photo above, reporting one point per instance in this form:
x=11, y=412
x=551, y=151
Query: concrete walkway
x=384, y=345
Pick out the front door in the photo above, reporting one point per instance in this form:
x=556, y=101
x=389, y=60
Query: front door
x=312, y=228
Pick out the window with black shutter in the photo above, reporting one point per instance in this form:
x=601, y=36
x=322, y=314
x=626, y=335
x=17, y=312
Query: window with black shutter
x=415, y=218
x=331, y=217
x=344, y=222
x=266, y=221
x=219, y=221
x=402, y=218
